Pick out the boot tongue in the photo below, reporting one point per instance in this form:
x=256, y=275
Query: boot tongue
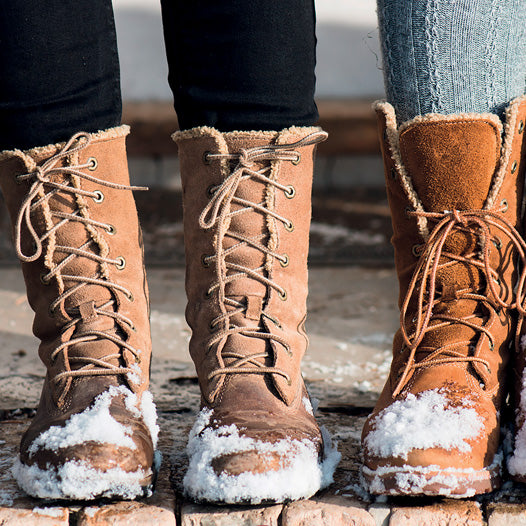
x=451, y=164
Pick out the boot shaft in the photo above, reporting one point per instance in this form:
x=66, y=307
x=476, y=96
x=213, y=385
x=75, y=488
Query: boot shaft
x=247, y=211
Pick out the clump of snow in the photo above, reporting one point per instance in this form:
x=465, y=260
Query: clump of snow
x=79, y=481
x=423, y=421
x=94, y=424
x=517, y=461
x=308, y=405
x=301, y=475
x=49, y=512
x=90, y=512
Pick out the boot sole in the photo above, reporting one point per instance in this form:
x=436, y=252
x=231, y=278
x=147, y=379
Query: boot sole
x=413, y=481
x=76, y=482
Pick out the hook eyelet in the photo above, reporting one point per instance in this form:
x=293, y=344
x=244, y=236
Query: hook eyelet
x=290, y=192
x=417, y=250
x=289, y=227
x=296, y=161
x=98, y=197
x=284, y=260
x=497, y=242
x=121, y=263
x=92, y=164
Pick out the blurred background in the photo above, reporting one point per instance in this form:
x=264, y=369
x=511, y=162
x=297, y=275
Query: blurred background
x=351, y=222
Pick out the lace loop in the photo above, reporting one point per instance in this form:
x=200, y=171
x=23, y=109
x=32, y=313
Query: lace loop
x=422, y=291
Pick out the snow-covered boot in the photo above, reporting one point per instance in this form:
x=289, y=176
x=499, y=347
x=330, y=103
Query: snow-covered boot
x=246, y=199
x=77, y=235
x=455, y=192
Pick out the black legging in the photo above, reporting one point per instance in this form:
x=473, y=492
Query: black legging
x=234, y=64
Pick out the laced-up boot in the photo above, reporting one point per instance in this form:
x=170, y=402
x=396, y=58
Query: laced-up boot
x=455, y=194
x=77, y=235
x=246, y=199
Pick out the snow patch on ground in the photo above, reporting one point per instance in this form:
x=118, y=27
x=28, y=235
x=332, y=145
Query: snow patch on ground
x=49, y=512
x=301, y=477
x=423, y=421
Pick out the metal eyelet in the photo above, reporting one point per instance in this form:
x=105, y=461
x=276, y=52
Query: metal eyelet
x=417, y=250
x=121, y=263
x=297, y=161
x=92, y=162
x=289, y=227
x=491, y=346
x=18, y=180
x=504, y=204
x=212, y=326
x=496, y=280
x=206, y=158
x=282, y=295
x=208, y=294
x=211, y=190
x=130, y=297
x=514, y=166
x=98, y=197
x=111, y=230
x=204, y=261
x=43, y=279
x=393, y=173
x=289, y=382
x=521, y=126
x=497, y=242
x=408, y=210
x=284, y=260
x=51, y=312
x=290, y=192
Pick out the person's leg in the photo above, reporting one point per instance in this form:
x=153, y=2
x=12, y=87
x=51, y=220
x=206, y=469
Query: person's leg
x=441, y=56
x=59, y=70
x=77, y=235
x=454, y=179
x=241, y=64
x=247, y=66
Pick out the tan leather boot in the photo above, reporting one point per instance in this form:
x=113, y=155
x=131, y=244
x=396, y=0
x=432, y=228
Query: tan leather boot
x=246, y=199
x=77, y=234
x=455, y=193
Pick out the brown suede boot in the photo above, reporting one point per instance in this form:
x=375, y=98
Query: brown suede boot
x=77, y=234
x=455, y=194
x=247, y=207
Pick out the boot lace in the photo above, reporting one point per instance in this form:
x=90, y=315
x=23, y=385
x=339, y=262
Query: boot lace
x=44, y=185
x=217, y=214
x=422, y=287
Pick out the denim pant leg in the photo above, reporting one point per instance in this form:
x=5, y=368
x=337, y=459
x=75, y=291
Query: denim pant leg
x=241, y=64
x=59, y=70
